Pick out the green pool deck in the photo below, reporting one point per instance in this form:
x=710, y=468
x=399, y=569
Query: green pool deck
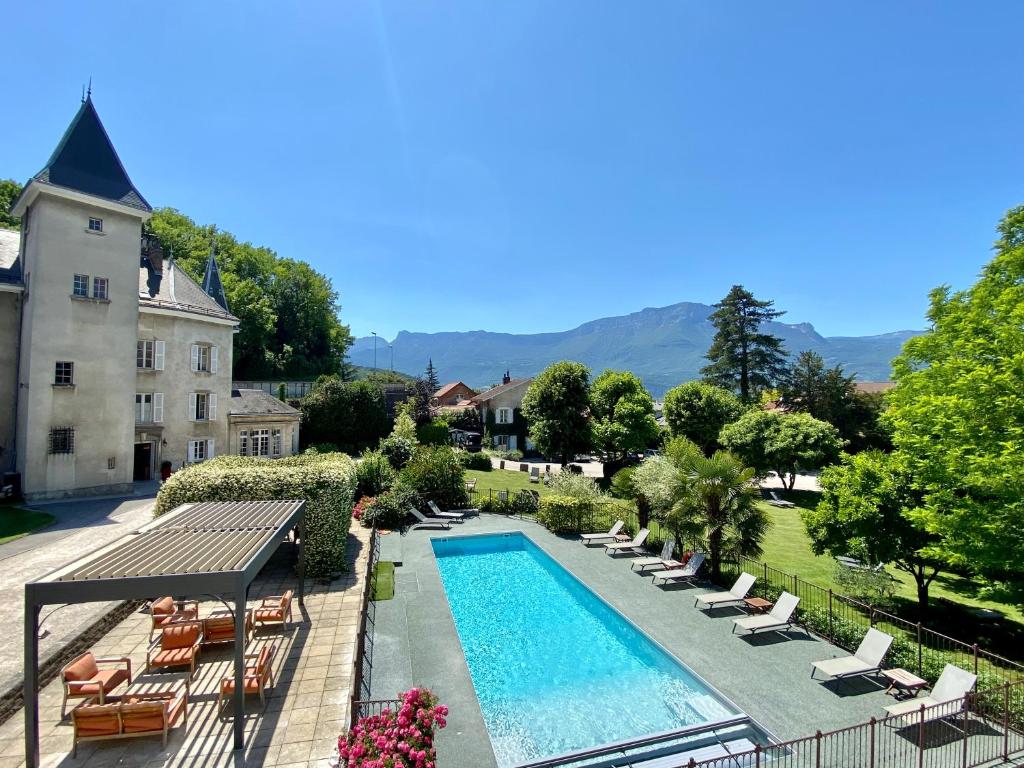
x=767, y=675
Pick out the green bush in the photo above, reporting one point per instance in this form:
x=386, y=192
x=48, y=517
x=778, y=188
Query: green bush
x=435, y=473
x=390, y=508
x=522, y=503
x=578, y=486
x=322, y=448
x=326, y=482
x=351, y=414
x=397, y=449
x=479, y=461
x=565, y=514
x=374, y=474
x=434, y=433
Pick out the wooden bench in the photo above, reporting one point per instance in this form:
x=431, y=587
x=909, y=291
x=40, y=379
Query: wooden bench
x=130, y=716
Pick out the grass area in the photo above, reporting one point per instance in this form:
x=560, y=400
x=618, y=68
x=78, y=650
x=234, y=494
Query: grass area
x=16, y=522
x=501, y=480
x=787, y=548
x=384, y=581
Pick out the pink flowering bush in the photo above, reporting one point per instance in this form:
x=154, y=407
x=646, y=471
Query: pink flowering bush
x=361, y=506
x=402, y=739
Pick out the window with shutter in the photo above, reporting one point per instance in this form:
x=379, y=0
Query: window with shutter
x=211, y=406
x=191, y=406
x=195, y=357
x=213, y=359
x=158, y=407
x=158, y=355
x=191, y=451
x=209, y=449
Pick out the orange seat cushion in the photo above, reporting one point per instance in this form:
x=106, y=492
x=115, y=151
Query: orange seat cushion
x=109, y=679
x=83, y=668
x=251, y=683
x=269, y=614
x=163, y=606
x=141, y=717
x=176, y=636
x=173, y=657
x=96, y=720
x=186, y=615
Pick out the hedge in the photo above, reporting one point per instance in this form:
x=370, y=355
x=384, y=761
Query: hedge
x=326, y=481
x=565, y=514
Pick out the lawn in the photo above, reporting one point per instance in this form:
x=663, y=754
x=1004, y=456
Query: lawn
x=787, y=548
x=384, y=581
x=501, y=480
x=16, y=522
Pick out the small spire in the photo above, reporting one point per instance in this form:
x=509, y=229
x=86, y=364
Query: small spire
x=212, y=284
x=88, y=93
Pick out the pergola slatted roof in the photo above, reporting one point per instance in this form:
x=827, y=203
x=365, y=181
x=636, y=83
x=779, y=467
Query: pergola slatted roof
x=214, y=548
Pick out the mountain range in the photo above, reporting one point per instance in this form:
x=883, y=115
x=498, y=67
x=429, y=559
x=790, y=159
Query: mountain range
x=665, y=346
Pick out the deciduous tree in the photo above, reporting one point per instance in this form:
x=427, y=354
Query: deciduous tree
x=698, y=411
x=351, y=415
x=557, y=408
x=623, y=417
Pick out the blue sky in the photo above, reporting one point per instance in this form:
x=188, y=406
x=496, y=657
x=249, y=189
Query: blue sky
x=528, y=166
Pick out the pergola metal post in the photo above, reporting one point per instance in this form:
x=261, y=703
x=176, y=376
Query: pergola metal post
x=241, y=595
x=302, y=560
x=31, y=690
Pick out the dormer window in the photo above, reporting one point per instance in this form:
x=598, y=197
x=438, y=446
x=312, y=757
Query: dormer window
x=95, y=225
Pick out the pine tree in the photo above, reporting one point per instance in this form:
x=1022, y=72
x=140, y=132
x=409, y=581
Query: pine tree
x=432, y=380
x=743, y=358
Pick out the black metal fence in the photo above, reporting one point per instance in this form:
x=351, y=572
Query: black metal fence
x=362, y=671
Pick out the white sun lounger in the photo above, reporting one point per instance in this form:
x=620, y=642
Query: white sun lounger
x=736, y=594
x=781, y=616
x=427, y=522
x=597, y=538
x=634, y=547
x=775, y=501
x=950, y=689
x=687, y=573
x=664, y=560
x=459, y=516
x=461, y=512
x=866, y=660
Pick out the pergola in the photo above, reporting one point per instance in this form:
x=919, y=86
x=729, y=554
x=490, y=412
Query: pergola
x=211, y=548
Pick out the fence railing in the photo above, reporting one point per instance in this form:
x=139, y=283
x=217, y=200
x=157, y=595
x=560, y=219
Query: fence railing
x=978, y=729
x=842, y=620
x=293, y=389
x=362, y=663
x=369, y=707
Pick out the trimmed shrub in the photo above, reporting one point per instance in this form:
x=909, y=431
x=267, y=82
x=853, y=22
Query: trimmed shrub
x=435, y=473
x=522, y=503
x=374, y=474
x=565, y=514
x=434, y=433
x=575, y=485
x=479, y=461
x=390, y=508
x=326, y=482
x=397, y=449
x=351, y=414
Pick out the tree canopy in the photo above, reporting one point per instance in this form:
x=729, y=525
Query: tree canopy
x=288, y=311
x=786, y=443
x=697, y=411
x=350, y=414
x=743, y=358
x=557, y=408
x=9, y=191
x=867, y=511
x=623, y=417
x=957, y=415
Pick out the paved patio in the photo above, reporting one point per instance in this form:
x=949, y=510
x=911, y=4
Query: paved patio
x=305, y=711
x=767, y=676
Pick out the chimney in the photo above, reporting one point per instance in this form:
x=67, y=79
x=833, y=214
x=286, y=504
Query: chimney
x=506, y=378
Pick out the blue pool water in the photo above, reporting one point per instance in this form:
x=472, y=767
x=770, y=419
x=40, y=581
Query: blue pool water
x=555, y=668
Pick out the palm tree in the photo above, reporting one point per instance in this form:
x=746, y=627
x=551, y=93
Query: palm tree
x=715, y=503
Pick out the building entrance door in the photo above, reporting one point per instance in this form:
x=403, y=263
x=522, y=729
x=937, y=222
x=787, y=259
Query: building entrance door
x=143, y=461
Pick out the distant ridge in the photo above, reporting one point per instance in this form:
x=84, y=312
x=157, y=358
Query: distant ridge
x=665, y=346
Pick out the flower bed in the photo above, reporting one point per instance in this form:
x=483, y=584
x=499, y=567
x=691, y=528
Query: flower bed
x=396, y=739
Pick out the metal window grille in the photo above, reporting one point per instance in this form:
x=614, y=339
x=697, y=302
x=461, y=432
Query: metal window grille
x=62, y=440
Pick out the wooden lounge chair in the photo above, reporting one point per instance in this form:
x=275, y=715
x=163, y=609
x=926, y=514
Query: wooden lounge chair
x=259, y=675
x=661, y=562
x=866, y=660
x=82, y=678
x=597, y=538
x=775, y=501
x=780, y=617
x=946, y=699
x=436, y=511
x=167, y=610
x=220, y=628
x=687, y=573
x=634, y=547
x=275, y=610
x=177, y=646
x=736, y=594
x=132, y=716
x=427, y=522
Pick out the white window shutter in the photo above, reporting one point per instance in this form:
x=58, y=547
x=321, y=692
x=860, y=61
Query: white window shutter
x=158, y=407
x=158, y=355
x=191, y=451
x=213, y=359
x=191, y=406
x=209, y=448
x=211, y=406
x=195, y=357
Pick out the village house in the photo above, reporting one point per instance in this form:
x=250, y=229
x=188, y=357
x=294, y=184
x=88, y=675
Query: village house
x=113, y=361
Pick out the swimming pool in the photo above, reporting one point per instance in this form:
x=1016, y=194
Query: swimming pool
x=554, y=667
